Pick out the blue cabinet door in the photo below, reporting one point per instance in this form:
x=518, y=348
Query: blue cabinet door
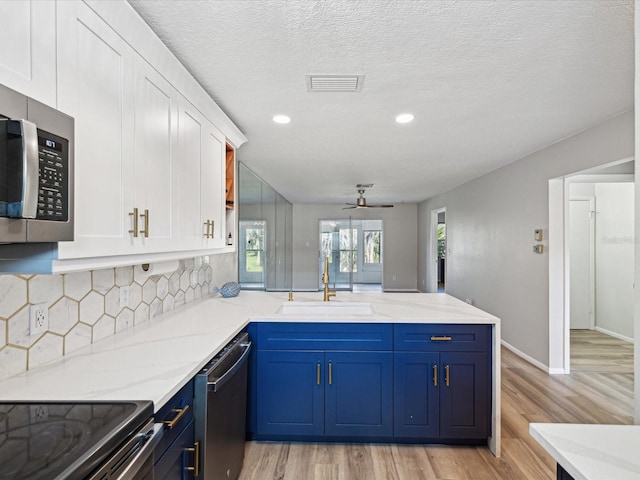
x=177, y=462
x=358, y=394
x=290, y=392
x=464, y=398
x=416, y=380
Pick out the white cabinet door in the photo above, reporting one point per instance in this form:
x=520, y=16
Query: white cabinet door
x=156, y=154
x=191, y=131
x=28, y=54
x=212, y=179
x=95, y=85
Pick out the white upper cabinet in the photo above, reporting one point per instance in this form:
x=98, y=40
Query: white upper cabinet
x=212, y=180
x=191, y=134
x=149, y=162
x=156, y=161
x=28, y=54
x=96, y=86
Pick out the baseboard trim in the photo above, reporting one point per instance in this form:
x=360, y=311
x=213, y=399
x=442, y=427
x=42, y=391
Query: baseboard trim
x=614, y=334
x=532, y=361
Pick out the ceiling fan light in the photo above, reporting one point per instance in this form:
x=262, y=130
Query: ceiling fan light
x=282, y=119
x=404, y=118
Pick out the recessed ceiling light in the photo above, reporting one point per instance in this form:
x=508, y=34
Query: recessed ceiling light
x=282, y=119
x=404, y=118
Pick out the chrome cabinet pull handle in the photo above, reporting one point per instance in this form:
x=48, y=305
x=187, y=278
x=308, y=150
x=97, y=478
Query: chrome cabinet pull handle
x=318, y=374
x=134, y=214
x=330, y=374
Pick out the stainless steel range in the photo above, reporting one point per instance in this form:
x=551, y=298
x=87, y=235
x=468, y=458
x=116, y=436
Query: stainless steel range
x=79, y=440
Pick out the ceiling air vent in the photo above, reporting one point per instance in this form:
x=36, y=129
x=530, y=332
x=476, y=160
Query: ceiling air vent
x=334, y=83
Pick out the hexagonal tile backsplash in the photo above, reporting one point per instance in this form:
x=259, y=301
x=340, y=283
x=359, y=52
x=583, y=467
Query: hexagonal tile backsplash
x=84, y=307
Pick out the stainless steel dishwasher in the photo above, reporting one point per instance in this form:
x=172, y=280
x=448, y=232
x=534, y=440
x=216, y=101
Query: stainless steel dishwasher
x=220, y=411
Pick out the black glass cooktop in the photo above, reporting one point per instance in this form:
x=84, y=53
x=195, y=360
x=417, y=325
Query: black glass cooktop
x=56, y=440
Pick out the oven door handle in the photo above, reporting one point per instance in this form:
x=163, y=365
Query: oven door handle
x=224, y=378
x=135, y=464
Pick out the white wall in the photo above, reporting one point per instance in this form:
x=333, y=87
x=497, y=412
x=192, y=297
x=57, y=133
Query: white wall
x=399, y=242
x=490, y=224
x=614, y=258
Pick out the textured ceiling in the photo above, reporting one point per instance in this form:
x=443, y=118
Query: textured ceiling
x=488, y=82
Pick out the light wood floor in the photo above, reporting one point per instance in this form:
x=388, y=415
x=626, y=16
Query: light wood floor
x=528, y=395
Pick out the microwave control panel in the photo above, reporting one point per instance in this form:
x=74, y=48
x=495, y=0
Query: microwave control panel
x=53, y=190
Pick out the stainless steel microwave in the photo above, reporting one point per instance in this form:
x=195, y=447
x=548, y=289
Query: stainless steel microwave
x=36, y=171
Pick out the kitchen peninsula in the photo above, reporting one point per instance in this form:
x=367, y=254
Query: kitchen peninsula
x=155, y=359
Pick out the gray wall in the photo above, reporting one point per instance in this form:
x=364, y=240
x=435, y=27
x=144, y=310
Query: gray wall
x=490, y=224
x=399, y=242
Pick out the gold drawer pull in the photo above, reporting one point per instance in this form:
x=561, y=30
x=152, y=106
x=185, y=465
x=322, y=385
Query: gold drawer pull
x=196, y=459
x=179, y=414
x=134, y=214
x=435, y=375
x=445, y=338
x=446, y=375
x=145, y=230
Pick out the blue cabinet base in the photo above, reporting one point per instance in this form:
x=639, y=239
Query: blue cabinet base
x=359, y=439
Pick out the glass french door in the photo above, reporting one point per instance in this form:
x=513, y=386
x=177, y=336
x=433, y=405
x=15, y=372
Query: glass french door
x=252, y=253
x=354, y=249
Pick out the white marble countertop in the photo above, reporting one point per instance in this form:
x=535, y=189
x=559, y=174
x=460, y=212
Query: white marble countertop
x=153, y=360
x=592, y=452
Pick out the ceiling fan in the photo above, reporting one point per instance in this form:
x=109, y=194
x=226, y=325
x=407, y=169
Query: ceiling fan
x=361, y=202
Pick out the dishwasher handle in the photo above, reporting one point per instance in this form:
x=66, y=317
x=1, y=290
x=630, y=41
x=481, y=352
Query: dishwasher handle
x=226, y=376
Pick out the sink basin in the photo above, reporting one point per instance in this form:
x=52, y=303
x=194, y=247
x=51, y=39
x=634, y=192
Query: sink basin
x=326, y=308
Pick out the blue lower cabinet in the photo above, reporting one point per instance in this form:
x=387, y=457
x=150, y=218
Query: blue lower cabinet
x=290, y=392
x=358, y=394
x=464, y=395
x=316, y=394
x=415, y=390
x=441, y=395
x=177, y=463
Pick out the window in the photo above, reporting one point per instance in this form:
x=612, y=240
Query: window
x=327, y=246
x=372, y=246
x=348, y=250
x=254, y=249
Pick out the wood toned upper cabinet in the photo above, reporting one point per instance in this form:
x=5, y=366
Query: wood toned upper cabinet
x=28, y=59
x=96, y=86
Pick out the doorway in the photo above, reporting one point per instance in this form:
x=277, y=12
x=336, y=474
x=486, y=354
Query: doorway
x=611, y=301
x=438, y=250
x=251, y=254
x=354, y=250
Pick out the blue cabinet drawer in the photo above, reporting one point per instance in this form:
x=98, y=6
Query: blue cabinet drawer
x=325, y=336
x=175, y=415
x=177, y=463
x=442, y=338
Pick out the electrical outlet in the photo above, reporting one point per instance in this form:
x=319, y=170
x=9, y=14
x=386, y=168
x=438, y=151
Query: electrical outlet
x=124, y=296
x=38, y=318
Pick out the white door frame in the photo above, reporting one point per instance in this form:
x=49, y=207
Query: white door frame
x=559, y=325
x=433, y=254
